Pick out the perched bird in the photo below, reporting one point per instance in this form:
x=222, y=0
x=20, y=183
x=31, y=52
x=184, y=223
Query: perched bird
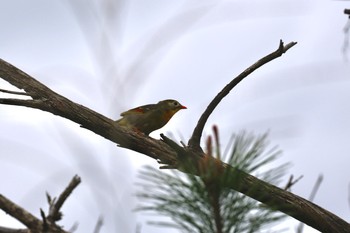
x=148, y=118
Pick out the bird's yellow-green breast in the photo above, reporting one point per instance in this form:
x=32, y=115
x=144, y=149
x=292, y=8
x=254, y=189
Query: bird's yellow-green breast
x=148, y=118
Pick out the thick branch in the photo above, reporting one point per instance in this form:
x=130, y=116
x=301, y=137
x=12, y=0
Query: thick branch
x=47, y=100
x=286, y=202
x=272, y=196
x=194, y=141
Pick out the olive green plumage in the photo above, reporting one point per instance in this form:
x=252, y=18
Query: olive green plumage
x=148, y=118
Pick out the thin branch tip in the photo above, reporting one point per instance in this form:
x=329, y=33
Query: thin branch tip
x=194, y=141
x=14, y=92
x=76, y=179
x=288, y=46
x=56, y=204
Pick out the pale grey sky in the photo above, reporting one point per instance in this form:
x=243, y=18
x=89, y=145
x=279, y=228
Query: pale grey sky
x=146, y=51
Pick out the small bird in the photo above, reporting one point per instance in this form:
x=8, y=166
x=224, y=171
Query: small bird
x=150, y=117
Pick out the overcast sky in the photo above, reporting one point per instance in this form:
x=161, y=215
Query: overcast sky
x=114, y=56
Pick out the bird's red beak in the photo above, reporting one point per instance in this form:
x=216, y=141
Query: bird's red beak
x=183, y=107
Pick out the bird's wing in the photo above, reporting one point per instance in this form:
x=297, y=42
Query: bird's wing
x=139, y=110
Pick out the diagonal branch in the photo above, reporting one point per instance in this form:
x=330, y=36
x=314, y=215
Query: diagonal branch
x=194, y=141
x=311, y=198
x=55, y=206
x=11, y=230
x=48, y=223
x=47, y=100
x=171, y=154
x=13, y=92
x=21, y=102
x=19, y=213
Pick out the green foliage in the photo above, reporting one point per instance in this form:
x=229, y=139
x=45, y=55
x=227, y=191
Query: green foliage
x=186, y=200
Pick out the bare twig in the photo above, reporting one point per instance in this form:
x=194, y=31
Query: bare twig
x=22, y=102
x=194, y=141
x=316, y=187
x=13, y=92
x=73, y=228
x=45, y=225
x=346, y=29
x=292, y=182
x=10, y=230
x=55, y=206
x=98, y=225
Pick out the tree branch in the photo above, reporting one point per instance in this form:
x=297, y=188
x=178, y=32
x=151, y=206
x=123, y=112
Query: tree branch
x=48, y=223
x=19, y=213
x=13, y=92
x=347, y=12
x=55, y=206
x=188, y=159
x=194, y=141
x=45, y=99
x=10, y=230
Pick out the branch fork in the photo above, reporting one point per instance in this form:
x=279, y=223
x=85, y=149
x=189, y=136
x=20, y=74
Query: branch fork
x=34, y=224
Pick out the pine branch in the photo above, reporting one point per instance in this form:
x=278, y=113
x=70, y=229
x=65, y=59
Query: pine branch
x=201, y=204
x=47, y=100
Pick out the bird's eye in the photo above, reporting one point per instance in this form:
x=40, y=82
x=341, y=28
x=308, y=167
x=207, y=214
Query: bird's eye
x=175, y=103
